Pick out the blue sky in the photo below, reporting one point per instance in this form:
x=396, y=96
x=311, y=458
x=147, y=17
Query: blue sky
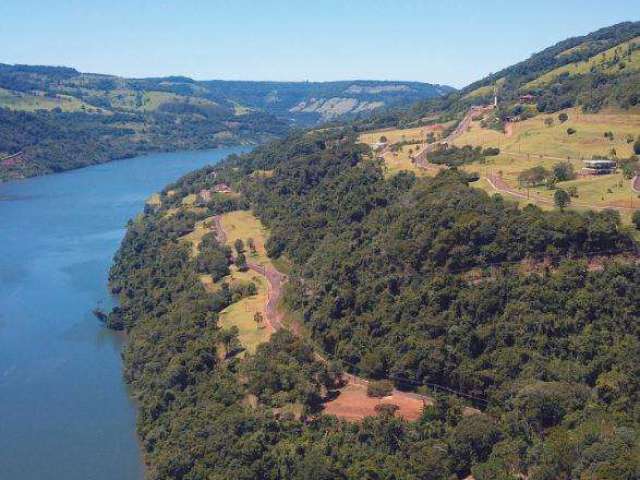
x=447, y=42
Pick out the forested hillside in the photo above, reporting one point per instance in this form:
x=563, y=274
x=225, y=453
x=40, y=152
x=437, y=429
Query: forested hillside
x=426, y=282
x=594, y=71
x=59, y=118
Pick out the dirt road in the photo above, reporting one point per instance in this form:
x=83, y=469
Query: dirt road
x=274, y=318
x=500, y=186
x=421, y=156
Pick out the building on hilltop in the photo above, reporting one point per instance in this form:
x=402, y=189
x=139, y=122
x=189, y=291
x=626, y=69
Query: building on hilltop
x=598, y=167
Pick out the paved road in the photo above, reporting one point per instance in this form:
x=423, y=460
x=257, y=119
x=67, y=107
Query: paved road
x=421, y=156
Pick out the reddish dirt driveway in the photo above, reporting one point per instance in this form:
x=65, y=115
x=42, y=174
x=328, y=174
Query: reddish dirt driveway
x=352, y=402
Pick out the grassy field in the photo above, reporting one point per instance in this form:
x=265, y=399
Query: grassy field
x=401, y=160
x=598, y=191
x=486, y=90
x=399, y=135
x=243, y=225
x=30, y=103
x=597, y=62
x=241, y=314
x=201, y=229
x=533, y=137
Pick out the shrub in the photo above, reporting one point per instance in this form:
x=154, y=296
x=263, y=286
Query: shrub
x=571, y=131
x=563, y=171
x=491, y=151
x=533, y=176
x=561, y=199
x=380, y=388
x=563, y=117
x=636, y=147
x=386, y=409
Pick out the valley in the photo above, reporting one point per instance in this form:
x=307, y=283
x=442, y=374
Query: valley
x=382, y=280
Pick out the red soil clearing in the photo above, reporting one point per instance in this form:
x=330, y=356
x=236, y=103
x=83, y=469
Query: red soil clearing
x=353, y=404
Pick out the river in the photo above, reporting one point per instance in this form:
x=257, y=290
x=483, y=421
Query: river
x=65, y=412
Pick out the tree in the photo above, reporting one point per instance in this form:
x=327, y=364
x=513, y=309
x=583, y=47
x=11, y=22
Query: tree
x=563, y=117
x=563, y=171
x=383, y=139
x=229, y=339
x=571, y=131
x=258, y=318
x=548, y=121
x=561, y=199
x=241, y=262
x=252, y=245
x=636, y=147
x=380, y=388
x=635, y=218
x=533, y=176
x=239, y=245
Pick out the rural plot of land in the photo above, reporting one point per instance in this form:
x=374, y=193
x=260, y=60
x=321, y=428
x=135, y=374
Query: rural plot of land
x=244, y=225
x=534, y=138
x=399, y=158
x=242, y=314
x=531, y=143
x=353, y=404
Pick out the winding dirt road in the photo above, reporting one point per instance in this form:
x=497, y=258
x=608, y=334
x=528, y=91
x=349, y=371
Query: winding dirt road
x=275, y=282
x=421, y=156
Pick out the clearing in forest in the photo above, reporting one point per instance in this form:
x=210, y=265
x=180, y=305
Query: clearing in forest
x=535, y=137
x=243, y=225
x=201, y=228
x=242, y=314
x=402, y=145
x=353, y=404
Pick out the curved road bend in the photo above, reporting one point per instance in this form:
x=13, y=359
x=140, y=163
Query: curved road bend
x=275, y=281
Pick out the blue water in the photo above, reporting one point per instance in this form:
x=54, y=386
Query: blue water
x=65, y=412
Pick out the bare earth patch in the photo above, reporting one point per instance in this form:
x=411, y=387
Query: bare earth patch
x=353, y=404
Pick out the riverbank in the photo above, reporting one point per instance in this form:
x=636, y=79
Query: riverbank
x=60, y=369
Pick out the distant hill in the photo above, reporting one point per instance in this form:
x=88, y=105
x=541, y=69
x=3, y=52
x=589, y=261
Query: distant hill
x=56, y=118
x=25, y=87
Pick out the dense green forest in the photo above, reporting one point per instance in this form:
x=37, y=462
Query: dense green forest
x=56, y=141
x=427, y=282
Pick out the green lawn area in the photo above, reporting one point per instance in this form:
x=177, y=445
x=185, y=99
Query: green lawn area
x=243, y=224
x=534, y=138
x=241, y=313
x=30, y=102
